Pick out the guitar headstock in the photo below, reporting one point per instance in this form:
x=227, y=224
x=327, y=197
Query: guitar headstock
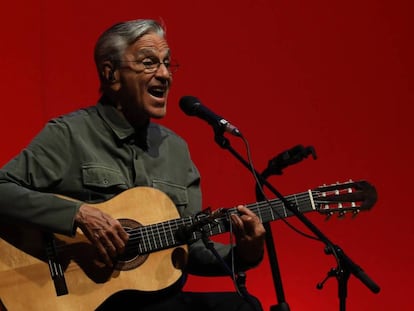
x=341, y=198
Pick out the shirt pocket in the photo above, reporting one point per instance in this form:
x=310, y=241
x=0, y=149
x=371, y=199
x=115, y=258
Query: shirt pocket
x=98, y=176
x=177, y=193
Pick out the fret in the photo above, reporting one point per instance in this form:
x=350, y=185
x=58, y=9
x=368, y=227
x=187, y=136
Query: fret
x=271, y=213
x=150, y=238
x=220, y=227
x=179, y=224
x=145, y=238
x=141, y=250
x=210, y=228
x=188, y=222
x=284, y=209
x=153, y=235
x=172, y=234
x=163, y=236
x=297, y=203
x=259, y=212
x=159, y=234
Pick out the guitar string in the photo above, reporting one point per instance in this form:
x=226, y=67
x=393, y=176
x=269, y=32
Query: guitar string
x=152, y=235
x=153, y=232
x=254, y=206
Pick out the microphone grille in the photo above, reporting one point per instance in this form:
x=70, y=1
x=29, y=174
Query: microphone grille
x=190, y=105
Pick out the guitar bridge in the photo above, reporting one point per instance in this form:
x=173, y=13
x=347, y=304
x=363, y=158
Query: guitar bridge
x=55, y=268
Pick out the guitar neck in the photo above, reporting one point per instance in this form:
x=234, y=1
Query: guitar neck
x=267, y=211
x=164, y=235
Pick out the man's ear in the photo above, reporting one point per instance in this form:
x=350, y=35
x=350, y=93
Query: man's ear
x=108, y=72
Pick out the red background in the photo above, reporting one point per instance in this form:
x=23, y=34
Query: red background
x=334, y=75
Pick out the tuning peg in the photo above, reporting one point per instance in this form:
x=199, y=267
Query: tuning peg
x=341, y=213
x=355, y=212
x=328, y=216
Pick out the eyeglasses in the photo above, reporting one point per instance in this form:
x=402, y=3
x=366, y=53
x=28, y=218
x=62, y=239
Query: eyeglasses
x=152, y=65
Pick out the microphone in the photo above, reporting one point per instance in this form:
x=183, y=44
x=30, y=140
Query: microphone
x=290, y=157
x=192, y=107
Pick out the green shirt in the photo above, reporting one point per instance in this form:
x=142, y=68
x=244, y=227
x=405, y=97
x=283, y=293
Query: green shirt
x=91, y=155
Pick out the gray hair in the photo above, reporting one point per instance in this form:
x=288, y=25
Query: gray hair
x=112, y=43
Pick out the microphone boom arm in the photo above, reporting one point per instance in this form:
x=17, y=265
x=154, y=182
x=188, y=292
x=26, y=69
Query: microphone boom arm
x=348, y=267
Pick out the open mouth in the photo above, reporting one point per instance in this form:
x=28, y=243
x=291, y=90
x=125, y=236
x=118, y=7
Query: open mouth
x=158, y=92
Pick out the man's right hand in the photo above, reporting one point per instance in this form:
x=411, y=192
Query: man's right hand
x=105, y=232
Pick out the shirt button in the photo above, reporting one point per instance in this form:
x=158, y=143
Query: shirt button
x=105, y=181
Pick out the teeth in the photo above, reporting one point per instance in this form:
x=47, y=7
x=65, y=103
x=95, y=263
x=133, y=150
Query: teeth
x=156, y=92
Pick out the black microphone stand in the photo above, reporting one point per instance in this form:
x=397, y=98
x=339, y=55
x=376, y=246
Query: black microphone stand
x=275, y=167
x=346, y=266
x=240, y=280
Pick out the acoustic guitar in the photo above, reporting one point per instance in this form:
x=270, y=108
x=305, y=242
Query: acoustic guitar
x=41, y=271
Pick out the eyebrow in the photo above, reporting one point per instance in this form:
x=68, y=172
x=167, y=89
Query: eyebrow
x=150, y=51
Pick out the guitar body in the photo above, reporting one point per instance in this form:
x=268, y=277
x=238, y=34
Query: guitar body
x=25, y=279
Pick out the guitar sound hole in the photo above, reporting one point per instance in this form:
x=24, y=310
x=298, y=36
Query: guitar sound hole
x=131, y=258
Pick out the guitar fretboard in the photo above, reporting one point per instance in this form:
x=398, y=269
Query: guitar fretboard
x=151, y=238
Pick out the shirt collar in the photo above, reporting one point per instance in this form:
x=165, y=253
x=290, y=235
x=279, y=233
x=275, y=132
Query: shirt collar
x=120, y=127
